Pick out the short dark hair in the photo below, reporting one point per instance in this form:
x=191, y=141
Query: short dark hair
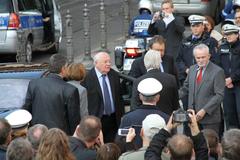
x=89, y=128
x=212, y=140
x=230, y=144
x=5, y=130
x=19, y=149
x=180, y=147
x=35, y=134
x=156, y=39
x=56, y=62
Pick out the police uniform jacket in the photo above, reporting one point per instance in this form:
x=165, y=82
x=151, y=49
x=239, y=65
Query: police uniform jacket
x=139, y=25
x=185, y=56
x=229, y=55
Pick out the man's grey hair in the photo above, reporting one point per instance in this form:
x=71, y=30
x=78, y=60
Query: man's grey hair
x=230, y=144
x=201, y=47
x=19, y=149
x=152, y=59
x=35, y=134
x=97, y=56
x=56, y=62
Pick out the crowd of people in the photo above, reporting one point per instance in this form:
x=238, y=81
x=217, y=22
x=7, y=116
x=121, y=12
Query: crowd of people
x=70, y=113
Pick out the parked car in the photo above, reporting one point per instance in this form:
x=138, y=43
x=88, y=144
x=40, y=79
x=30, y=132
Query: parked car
x=14, y=79
x=27, y=15
x=185, y=8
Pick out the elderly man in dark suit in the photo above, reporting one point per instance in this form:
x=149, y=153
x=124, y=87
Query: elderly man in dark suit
x=169, y=93
x=205, y=86
x=52, y=101
x=167, y=65
x=168, y=25
x=104, y=99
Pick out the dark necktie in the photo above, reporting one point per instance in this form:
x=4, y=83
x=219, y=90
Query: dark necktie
x=199, y=76
x=107, y=100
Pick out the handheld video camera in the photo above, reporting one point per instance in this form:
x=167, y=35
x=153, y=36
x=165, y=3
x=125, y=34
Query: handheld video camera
x=180, y=116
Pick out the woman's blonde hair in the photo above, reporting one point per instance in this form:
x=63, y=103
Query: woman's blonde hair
x=76, y=71
x=54, y=145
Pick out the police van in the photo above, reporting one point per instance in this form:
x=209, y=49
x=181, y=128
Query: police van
x=40, y=21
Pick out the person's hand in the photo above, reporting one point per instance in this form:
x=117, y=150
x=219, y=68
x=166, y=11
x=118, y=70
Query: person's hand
x=131, y=135
x=228, y=81
x=99, y=141
x=200, y=114
x=230, y=85
x=171, y=124
x=156, y=16
x=187, y=70
x=193, y=122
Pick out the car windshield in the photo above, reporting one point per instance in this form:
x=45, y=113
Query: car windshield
x=13, y=93
x=6, y=6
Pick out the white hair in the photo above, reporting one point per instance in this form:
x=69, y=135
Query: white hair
x=98, y=56
x=152, y=59
x=201, y=47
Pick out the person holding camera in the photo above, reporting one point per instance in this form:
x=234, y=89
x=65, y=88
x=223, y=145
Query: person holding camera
x=205, y=86
x=179, y=146
x=168, y=25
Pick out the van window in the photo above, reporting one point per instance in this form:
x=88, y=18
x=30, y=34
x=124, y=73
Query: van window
x=6, y=6
x=25, y=5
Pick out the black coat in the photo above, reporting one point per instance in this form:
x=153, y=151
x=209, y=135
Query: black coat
x=138, y=69
x=173, y=33
x=168, y=96
x=135, y=118
x=53, y=102
x=185, y=56
x=80, y=150
x=229, y=56
x=95, y=97
x=159, y=141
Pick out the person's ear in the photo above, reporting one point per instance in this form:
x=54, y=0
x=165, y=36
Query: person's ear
x=141, y=133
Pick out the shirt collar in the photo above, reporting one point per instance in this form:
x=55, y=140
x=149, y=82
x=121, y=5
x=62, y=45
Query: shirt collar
x=99, y=74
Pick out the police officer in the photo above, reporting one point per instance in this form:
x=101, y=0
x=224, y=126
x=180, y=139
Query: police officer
x=139, y=25
x=185, y=55
x=19, y=121
x=231, y=7
x=229, y=56
x=149, y=89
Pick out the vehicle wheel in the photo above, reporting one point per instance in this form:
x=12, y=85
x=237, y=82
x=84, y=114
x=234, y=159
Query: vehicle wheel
x=28, y=51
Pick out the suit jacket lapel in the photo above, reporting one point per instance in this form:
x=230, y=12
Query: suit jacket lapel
x=111, y=81
x=205, y=75
x=96, y=82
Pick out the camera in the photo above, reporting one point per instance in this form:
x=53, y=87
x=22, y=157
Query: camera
x=162, y=14
x=123, y=132
x=180, y=116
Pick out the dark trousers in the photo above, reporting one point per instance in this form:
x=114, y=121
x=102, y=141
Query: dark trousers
x=109, y=127
x=231, y=106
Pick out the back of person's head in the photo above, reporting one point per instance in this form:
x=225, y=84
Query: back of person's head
x=76, y=71
x=5, y=132
x=56, y=63
x=152, y=59
x=19, y=149
x=54, y=145
x=35, y=133
x=89, y=128
x=151, y=125
x=212, y=140
x=231, y=144
x=180, y=147
x=108, y=151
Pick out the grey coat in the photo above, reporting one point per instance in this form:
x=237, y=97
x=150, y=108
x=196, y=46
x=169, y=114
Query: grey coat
x=208, y=95
x=82, y=97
